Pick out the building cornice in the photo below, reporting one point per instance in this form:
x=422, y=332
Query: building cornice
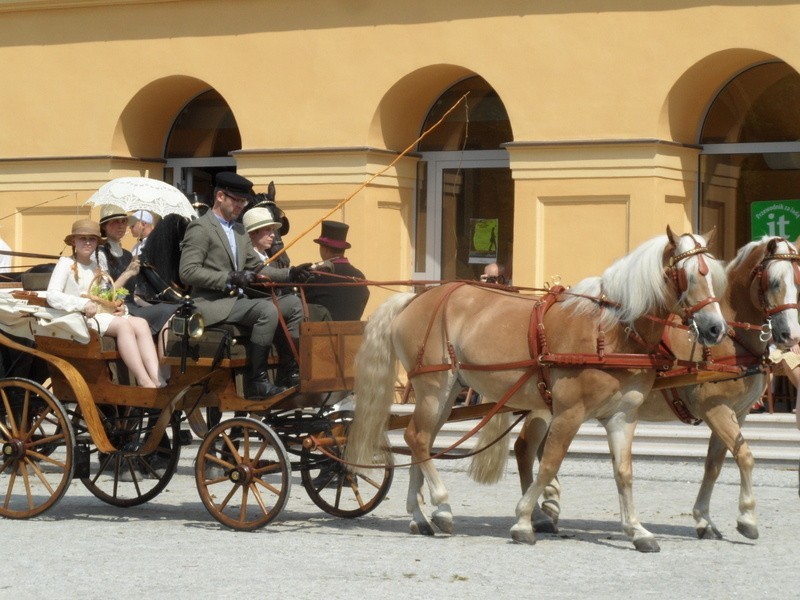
x=31, y=5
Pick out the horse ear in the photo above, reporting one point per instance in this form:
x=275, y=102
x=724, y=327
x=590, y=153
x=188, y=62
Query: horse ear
x=671, y=236
x=710, y=235
x=772, y=246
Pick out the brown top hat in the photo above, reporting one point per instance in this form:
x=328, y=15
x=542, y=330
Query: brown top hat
x=334, y=235
x=84, y=227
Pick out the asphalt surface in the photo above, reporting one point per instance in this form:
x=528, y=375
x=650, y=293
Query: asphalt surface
x=172, y=548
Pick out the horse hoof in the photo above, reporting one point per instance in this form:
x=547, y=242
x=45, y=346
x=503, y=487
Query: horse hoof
x=420, y=529
x=545, y=526
x=444, y=521
x=523, y=536
x=552, y=509
x=747, y=530
x=647, y=545
x=708, y=533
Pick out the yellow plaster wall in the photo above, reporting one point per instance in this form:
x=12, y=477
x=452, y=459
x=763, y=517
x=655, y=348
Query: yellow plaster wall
x=319, y=88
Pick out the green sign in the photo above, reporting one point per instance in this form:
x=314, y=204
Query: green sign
x=775, y=218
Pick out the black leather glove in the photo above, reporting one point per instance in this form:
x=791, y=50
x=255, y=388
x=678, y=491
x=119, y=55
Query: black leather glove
x=241, y=279
x=300, y=273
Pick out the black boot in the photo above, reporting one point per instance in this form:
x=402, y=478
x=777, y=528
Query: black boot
x=288, y=370
x=257, y=386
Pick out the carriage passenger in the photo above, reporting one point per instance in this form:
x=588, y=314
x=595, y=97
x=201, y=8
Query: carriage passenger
x=71, y=280
x=219, y=262
x=141, y=224
x=344, y=302
x=124, y=269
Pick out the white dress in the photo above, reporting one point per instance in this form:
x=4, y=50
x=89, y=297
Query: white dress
x=64, y=293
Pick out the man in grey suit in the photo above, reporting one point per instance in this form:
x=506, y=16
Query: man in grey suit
x=218, y=261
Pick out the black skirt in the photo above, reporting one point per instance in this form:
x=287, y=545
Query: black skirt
x=156, y=315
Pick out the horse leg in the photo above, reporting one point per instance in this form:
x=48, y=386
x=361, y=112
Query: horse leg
x=562, y=431
x=530, y=438
x=724, y=425
x=701, y=511
x=429, y=416
x=419, y=524
x=619, y=429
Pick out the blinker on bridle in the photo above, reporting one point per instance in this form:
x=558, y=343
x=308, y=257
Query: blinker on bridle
x=681, y=281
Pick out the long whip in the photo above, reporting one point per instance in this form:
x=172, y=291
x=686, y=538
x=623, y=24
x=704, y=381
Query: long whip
x=365, y=184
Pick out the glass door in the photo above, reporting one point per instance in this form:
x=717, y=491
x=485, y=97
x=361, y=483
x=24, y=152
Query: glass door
x=464, y=214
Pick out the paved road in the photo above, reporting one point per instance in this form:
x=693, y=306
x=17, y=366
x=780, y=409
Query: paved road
x=172, y=548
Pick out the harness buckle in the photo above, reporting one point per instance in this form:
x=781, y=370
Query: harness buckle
x=766, y=331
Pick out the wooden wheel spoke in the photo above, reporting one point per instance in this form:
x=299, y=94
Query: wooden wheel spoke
x=41, y=476
x=26, y=478
x=11, y=420
x=11, y=481
x=365, y=479
x=232, y=447
x=243, y=505
x=268, y=486
x=227, y=498
x=259, y=499
x=45, y=440
x=272, y=467
x=35, y=425
x=216, y=459
x=44, y=458
x=25, y=406
x=5, y=432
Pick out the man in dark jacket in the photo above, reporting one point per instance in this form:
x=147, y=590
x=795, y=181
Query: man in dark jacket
x=345, y=302
x=219, y=262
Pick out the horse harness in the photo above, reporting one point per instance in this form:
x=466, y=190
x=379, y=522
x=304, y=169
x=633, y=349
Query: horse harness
x=663, y=360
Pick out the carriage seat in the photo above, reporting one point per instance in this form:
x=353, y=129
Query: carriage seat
x=223, y=340
x=35, y=282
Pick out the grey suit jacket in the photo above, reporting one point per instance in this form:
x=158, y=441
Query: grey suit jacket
x=207, y=261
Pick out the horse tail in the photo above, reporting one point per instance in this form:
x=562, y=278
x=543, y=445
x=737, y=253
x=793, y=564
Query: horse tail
x=376, y=370
x=488, y=466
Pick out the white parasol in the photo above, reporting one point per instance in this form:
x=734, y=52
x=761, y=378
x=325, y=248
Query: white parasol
x=141, y=193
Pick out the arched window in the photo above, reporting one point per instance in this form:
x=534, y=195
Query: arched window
x=465, y=193
x=750, y=162
x=199, y=144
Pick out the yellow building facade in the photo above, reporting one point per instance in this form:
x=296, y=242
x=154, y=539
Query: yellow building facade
x=588, y=127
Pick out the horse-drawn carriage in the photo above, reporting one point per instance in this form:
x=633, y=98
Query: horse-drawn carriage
x=123, y=442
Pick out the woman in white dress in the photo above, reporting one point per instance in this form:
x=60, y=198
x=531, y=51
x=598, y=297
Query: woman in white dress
x=71, y=279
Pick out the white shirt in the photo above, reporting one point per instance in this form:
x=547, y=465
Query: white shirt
x=64, y=293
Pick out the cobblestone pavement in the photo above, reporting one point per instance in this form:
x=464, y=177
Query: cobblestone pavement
x=171, y=547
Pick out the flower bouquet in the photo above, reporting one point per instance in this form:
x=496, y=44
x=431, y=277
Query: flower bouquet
x=108, y=297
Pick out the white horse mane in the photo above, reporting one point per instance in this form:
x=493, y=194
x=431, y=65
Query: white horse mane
x=783, y=247
x=636, y=281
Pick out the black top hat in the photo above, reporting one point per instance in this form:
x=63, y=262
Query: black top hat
x=334, y=235
x=235, y=184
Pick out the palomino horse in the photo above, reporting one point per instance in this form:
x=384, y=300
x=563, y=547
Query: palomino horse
x=499, y=344
x=760, y=301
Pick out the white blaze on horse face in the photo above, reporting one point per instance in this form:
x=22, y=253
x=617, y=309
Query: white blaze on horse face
x=693, y=268
x=785, y=275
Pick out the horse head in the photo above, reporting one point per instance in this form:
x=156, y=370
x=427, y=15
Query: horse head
x=764, y=280
x=161, y=260
x=694, y=276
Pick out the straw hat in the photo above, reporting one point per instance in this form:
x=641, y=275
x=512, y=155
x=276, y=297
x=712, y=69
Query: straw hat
x=258, y=218
x=109, y=212
x=84, y=227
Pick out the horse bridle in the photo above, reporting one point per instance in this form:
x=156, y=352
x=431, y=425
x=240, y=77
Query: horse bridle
x=761, y=274
x=680, y=280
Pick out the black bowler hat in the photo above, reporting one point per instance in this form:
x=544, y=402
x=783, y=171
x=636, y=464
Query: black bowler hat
x=334, y=235
x=235, y=184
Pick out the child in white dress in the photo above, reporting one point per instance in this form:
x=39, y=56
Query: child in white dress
x=72, y=278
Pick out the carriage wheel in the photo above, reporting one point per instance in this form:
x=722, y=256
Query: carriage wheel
x=125, y=478
x=38, y=447
x=243, y=473
x=336, y=490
